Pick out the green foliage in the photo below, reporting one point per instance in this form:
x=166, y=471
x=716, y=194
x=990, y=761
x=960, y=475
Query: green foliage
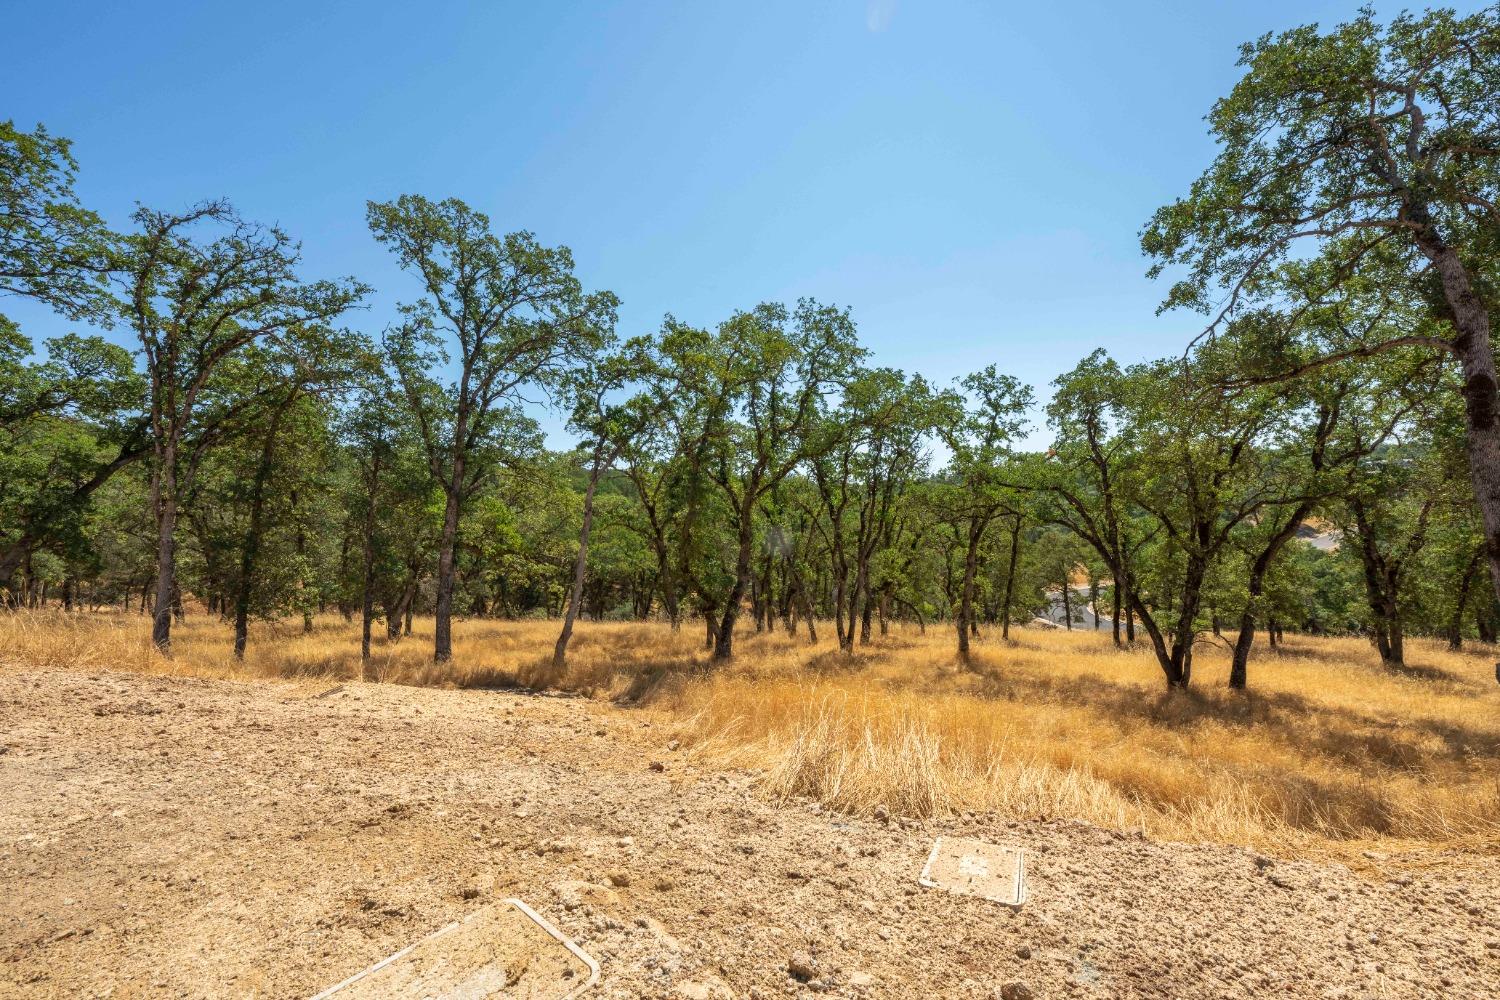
x=51, y=248
x=1340, y=241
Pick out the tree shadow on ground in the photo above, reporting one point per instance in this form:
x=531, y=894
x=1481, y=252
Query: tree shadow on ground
x=1354, y=738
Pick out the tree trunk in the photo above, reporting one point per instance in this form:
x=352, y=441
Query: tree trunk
x=1010, y=578
x=1481, y=393
x=767, y=592
x=1381, y=592
x=966, y=591
x=1239, y=667
x=580, y=565
x=724, y=641
x=1397, y=638
x=1114, y=621
x=1186, y=631
x=307, y=618
x=807, y=610
x=442, y=645
x=1456, y=623
x=367, y=588
x=250, y=546
x=1484, y=621
x=866, y=609
x=1168, y=662
x=164, y=493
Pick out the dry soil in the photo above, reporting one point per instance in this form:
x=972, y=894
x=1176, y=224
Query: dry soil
x=164, y=837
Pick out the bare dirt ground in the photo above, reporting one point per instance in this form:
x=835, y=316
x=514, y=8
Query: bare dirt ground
x=190, y=838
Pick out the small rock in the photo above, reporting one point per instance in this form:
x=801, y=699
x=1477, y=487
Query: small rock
x=1023, y=951
x=673, y=745
x=802, y=967
x=1016, y=990
x=882, y=813
x=861, y=980
x=657, y=765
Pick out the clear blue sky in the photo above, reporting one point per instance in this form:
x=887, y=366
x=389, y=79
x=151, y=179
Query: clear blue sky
x=969, y=177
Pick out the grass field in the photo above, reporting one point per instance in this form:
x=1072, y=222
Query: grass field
x=1329, y=751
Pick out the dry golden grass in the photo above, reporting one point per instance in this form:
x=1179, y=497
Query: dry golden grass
x=1329, y=750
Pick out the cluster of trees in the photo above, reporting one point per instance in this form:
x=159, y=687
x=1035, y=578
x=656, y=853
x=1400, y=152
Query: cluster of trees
x=251, y=451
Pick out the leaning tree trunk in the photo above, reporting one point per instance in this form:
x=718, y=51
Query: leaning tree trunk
x=1481, y=392
x=724, y=640
x=1186, y=631
x=580, y=566
x=1239, y=667
x=1164, y=658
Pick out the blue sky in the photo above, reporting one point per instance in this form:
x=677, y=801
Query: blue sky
x=969, y=177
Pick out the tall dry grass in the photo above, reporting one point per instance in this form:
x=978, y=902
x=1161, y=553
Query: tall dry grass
x=1328, y=748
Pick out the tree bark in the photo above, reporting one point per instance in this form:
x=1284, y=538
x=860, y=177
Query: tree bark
x=1239, y=666
x=580, y=565
x=724, y=640
x=1456, y=623
x=442, y=644
x=966, y=591
x=164, y=491
x=1484, y=621
x=1481, y=392
x=367, y=588
x=1010, y=578
x=250, y=547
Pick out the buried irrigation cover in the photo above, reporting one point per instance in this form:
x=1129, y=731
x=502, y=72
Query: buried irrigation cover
x=504, y=951
x=973, y=868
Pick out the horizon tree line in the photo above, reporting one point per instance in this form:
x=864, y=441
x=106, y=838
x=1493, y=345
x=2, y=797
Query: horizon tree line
x=252, y=451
